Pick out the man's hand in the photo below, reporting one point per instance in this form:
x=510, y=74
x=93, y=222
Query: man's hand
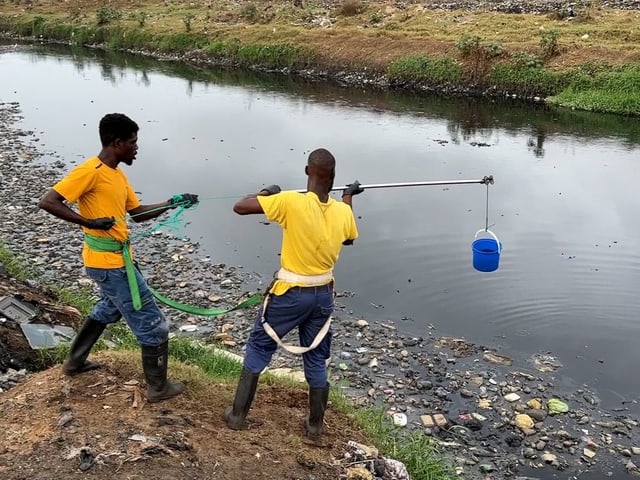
x=185, y=199
x=271, y=190
x=100, y=223
x=353, y=189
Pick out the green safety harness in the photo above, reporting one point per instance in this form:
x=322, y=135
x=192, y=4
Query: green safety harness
x=106, y=244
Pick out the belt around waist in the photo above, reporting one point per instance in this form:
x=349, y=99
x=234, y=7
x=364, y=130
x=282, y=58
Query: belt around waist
x=328, y=288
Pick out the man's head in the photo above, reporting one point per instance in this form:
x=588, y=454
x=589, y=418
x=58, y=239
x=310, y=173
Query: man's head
x=321, y=167
x=120, y=134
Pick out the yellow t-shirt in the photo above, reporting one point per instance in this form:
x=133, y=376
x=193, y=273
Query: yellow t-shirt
x=100, y=191
x=313, y=232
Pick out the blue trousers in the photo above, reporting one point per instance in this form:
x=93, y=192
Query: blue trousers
x=148, y=324
x=307, y=308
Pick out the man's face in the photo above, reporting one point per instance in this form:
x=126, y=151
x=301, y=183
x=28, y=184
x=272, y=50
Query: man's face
x=126, y=150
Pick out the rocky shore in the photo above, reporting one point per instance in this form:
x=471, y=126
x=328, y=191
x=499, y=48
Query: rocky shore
x=532, y=6
x=497, y=417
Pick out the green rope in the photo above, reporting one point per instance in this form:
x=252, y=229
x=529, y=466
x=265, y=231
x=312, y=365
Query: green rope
x=206, y=312
x=175, y=223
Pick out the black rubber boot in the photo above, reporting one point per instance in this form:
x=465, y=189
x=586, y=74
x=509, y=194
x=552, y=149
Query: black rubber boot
x=86, y=338
x=318, y=398
x=236, y=415
x=154, y=363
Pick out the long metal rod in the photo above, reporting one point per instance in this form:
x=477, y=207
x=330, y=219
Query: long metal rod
x=484, y=181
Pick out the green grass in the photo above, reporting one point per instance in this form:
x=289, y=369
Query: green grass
x=440, y=71
x=514, y=77
x=422, y=457
x=17, y=267
x=278, y=55
x=613, y=90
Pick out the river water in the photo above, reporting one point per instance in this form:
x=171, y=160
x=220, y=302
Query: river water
x=564, y=202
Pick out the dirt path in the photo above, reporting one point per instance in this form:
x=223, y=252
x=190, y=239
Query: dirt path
x=97, y=425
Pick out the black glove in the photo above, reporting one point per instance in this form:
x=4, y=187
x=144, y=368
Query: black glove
x=185, y=199
x=100, y=223
x=353, y=189
x=272, y=189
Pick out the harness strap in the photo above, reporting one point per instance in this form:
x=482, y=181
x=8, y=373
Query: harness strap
x=305, y=280
x=107, y=244
x=295, y=349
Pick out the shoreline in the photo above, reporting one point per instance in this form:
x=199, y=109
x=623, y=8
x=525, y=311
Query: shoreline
x=470, y=387
x=557, y=63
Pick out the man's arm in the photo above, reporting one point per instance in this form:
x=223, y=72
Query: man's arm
x=347, y=196
x=147, y=212
x=53, y=203
x=249, y=204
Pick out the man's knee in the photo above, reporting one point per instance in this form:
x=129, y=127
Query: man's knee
x=316, y=378
x=150, y=329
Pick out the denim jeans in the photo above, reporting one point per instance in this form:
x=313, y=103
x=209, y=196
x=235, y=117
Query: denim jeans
x=305, y=308
x=148, y=324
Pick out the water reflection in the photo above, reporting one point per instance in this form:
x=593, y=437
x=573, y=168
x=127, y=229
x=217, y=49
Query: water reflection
x=536, y=143
x=466, y=118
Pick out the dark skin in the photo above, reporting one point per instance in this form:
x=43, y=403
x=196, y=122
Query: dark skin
x=320, y=170
x=111, y=155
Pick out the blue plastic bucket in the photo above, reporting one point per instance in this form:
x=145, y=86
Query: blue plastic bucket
x=486, y=252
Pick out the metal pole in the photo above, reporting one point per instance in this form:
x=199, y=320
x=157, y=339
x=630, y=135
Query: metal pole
x=484, y=181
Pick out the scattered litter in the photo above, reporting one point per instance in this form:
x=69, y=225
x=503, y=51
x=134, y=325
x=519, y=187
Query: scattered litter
x=557, y=406
x=42, y=336
x=546, y=363
x=16, y=310
x=188, y=328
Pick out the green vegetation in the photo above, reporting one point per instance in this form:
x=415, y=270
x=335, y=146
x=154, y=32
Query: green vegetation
x=437, y=72
x=516, y=54
x=616, y=90
x=16, y=266
x=419, y=453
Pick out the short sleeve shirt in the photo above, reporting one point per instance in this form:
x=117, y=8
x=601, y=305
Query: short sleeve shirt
x=313, y=232
x=100, y=191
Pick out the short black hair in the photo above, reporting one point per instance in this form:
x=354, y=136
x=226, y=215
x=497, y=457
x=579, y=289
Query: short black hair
x=115, y=126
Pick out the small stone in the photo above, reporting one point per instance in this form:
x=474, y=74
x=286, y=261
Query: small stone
x=362, y=324
x=486, y=468
x=588, y=453
x=512, y=397
x=477, y=416
x=399, y=419
x=535, y=404
x=464, y=393
x=524, y=421
x=538, y=415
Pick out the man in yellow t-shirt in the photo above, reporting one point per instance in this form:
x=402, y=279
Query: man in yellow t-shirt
x=104, y=197
x=315, y=226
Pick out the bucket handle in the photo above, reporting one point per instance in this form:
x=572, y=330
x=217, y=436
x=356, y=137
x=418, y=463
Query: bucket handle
x=492, y=234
